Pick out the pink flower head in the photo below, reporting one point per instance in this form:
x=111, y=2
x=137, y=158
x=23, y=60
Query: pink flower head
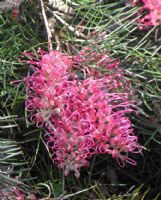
x=42, y=85
x=11, y=192
x=153, y=18
x=55, y=63
x=18, y=194
x=152, y=12
x=83, y=114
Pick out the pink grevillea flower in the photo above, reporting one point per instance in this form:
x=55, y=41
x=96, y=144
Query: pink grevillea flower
x=153, y=18
x=84, y=113
x=152, y=12
x=11, y=193
x=42, y=85
x=15, y=193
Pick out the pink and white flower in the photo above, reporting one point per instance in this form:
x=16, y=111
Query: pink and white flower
x=84, y=114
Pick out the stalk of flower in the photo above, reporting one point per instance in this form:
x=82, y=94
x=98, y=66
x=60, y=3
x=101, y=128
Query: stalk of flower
x=85, y=116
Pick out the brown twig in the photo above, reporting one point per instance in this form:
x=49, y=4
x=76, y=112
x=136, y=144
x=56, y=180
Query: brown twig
x=70, y=28
x=46, y=26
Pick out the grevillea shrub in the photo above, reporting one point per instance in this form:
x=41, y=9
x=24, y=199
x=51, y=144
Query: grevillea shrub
x=151, y=11
x=83, y=106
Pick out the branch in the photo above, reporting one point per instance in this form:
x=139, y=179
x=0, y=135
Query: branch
x=70, y=28
x=46, y=26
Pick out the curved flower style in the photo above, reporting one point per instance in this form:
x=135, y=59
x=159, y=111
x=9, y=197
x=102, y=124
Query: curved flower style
x=82, y=115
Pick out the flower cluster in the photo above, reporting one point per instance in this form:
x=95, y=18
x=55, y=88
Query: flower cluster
x=83, y=106
x=16, y=193
x=152, y=12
